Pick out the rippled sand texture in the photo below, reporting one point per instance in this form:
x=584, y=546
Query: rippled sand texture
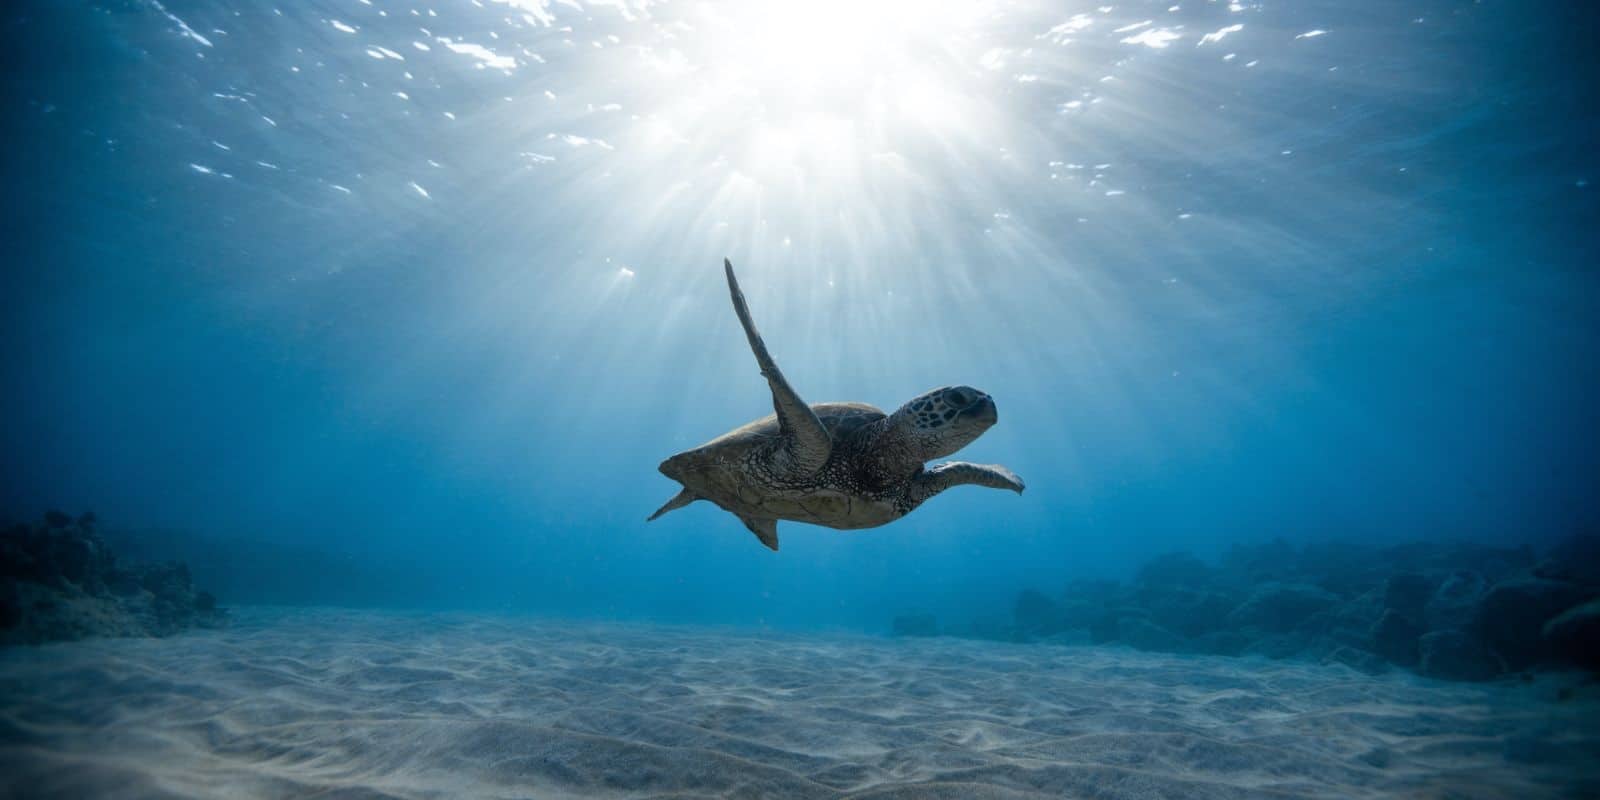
x=345, y=704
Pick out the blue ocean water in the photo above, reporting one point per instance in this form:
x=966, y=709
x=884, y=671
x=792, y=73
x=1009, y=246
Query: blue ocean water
x=430, y=288
x=379, y=315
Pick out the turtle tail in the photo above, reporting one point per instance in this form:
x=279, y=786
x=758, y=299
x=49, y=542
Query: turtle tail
x=678, y=501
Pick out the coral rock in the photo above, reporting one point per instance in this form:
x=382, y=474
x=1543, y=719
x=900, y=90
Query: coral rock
x=1512, y=615
x=1456, y=655
x=1280, y=607
x=1574, y=636
x=1395, y=638
x=58, y=581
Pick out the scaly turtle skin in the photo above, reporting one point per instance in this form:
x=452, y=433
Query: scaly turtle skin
x=842, y=465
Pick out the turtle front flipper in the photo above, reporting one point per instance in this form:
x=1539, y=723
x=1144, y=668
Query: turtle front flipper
x=806, y=442
x=765, y=529
x=958, y=473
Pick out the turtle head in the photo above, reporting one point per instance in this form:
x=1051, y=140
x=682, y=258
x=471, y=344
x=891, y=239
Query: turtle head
x=942, y=421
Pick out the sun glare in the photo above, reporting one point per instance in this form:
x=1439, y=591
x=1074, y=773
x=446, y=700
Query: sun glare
x=828, y=51
x=822, y=81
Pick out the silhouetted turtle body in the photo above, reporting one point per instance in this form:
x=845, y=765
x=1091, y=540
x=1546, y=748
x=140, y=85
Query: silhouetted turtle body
x=842, y=465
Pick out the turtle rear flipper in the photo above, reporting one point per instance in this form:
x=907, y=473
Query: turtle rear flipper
x=807, y=444
x=765, y=529
x=678, y=501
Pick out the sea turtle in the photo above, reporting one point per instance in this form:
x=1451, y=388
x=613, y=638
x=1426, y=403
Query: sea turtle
x=842, y=465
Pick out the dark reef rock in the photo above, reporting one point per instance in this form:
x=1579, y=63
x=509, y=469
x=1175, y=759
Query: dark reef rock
x=1278, y=645
x=1407, y=594
x=1260, y=563
x=1511, y=618
x=1357, y=659
x=1038, y=615
x=915, y=625
x=1576, y=560
x=1281, y=607
x=1142, y=634
x=1455, y=601
x=59, y=581
x=1456, y=655
x=1188, y=612
x=1574, y=636
x=1105, y=628
x=1395, y=637
x=1174, y=570
x=1457, y=611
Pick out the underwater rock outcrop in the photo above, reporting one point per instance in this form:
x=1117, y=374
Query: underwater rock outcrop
x=1574, y=636
x=59, y=581
x=1453, y=611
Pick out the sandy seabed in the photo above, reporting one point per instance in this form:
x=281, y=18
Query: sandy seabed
x=327, y=703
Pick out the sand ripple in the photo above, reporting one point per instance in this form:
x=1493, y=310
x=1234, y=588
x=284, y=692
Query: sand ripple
x=370, y=705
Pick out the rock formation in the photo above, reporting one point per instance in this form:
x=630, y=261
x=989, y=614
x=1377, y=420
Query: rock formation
x=59, y=581
x=1447, y=610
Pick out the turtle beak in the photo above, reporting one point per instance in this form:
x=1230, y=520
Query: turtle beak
x=983, y=410
x=673, y=468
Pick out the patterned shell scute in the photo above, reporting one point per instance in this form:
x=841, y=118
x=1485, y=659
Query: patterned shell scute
x=735, y=472
x=840, y=419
